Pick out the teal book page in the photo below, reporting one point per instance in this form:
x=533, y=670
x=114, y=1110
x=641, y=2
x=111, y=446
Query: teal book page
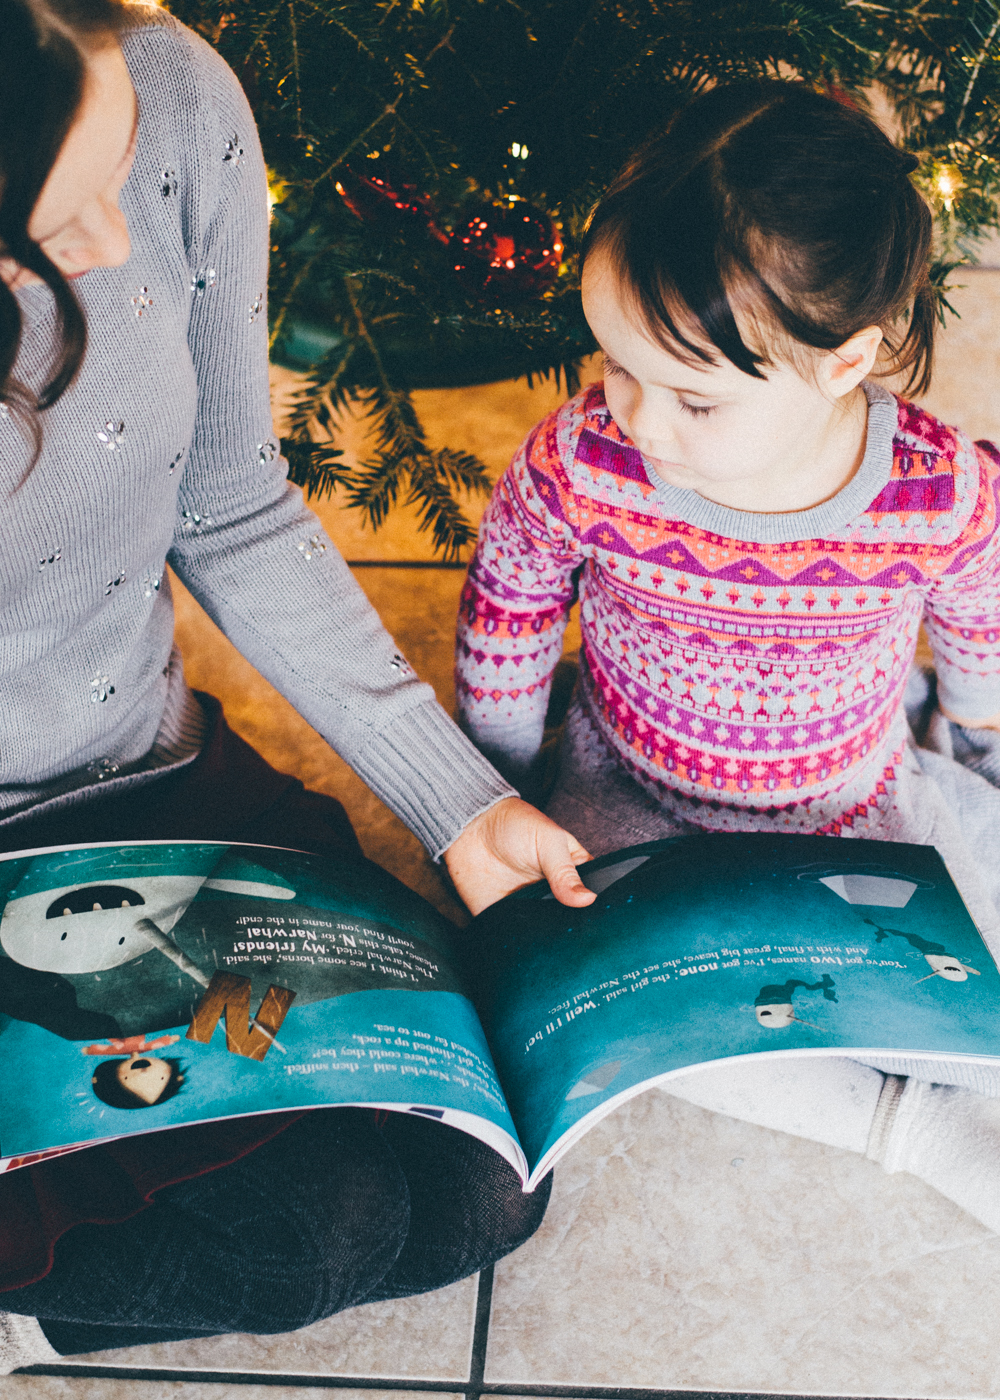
x=161, y=983
x=706, y=947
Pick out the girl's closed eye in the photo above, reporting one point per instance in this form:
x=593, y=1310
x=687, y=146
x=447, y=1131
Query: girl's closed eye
x=613, y=370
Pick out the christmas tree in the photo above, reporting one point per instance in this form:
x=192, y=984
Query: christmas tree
x=433, y=163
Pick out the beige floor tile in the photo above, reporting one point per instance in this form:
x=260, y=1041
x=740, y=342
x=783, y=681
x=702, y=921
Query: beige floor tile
x=684, y=1249
x=101, y=1388
x=423, y=1338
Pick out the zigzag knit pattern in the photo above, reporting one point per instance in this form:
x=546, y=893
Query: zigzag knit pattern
x=729, y=676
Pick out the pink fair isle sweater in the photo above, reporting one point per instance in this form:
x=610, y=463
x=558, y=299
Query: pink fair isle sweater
x=746, y=669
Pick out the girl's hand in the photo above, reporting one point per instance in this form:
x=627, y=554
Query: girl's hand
x=511, y=845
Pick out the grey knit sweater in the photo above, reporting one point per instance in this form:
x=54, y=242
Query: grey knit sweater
x=162, y=450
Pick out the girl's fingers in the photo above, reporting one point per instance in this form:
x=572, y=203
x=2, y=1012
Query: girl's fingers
x=558, y=860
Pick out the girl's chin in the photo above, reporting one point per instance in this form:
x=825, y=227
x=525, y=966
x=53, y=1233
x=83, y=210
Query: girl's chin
x=672, y=472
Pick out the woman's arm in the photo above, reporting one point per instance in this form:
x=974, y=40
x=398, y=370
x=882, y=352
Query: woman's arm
x=260, y=564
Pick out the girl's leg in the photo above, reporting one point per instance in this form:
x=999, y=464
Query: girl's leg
x=597, y=800
x=940, y=1120
x=945, y=1135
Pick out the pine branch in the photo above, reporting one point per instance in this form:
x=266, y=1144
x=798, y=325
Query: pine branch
x=439, y=513
x=315, y=466
x=445, y=88
x=463, y=470
x=374, y=488
x=940, y=271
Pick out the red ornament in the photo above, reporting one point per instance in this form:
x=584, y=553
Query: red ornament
x=384, y=196
x=839, y=95
x=509, y=250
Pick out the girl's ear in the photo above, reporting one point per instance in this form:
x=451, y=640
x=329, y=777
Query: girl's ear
x=844, y=368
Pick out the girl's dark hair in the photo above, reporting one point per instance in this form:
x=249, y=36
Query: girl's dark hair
x=110, y=1090
x=43, y=46
x=795, y=204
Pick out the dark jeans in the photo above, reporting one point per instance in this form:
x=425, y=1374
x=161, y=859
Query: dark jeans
x=333, y=1212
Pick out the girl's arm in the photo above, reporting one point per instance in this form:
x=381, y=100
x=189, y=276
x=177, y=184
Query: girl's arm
x=962, y=613
x=516, y=602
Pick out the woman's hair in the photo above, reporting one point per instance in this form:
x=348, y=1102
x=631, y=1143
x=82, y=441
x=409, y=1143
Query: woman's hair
x=43, y=45
x=110, y=1090
x=791, y=205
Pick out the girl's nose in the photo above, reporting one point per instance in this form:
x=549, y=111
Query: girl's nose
x=649, y=429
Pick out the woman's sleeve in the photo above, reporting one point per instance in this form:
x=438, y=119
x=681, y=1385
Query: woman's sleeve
x=516, y=603
x=250, y=551
x=962, y=612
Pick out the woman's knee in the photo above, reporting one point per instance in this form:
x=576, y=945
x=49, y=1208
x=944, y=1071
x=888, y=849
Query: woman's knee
x=317, y=1215
x=467, y=1208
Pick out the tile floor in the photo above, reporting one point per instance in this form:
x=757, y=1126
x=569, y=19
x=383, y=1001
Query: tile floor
x=683, y=1251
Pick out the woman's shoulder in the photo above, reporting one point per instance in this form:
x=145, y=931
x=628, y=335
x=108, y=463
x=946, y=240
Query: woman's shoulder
x=178, y=75
x=195, y=130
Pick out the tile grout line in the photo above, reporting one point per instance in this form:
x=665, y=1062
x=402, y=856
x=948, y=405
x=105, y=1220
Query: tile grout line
x=480, y=1334
x=407, y=563
x=312, y=1380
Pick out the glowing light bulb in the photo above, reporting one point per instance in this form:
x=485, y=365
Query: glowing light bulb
x=948, y=183
x=276, y=191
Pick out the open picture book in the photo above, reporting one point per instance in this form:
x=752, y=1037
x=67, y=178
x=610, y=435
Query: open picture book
x=150, y=985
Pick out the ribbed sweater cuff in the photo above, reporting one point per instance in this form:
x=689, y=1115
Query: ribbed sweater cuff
x=427, y=772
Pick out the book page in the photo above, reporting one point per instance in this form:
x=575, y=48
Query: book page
x=162, y=983
x=708, y=947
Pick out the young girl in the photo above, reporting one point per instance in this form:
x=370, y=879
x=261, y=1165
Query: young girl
x=755, y=529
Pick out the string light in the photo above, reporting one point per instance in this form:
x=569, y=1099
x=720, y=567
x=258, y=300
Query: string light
x=276, y=191
x=947, y=184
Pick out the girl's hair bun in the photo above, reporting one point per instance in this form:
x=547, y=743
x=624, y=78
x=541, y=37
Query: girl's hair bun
x=792, y=201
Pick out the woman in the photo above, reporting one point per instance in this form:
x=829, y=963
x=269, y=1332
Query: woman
x=136, y=428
